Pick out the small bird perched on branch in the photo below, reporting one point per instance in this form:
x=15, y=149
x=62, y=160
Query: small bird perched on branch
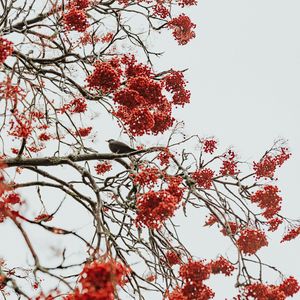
x=119, y=147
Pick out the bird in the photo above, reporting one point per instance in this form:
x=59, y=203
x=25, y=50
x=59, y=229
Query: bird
x=119, y=147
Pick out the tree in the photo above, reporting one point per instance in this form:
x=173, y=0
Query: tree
x=62, y=64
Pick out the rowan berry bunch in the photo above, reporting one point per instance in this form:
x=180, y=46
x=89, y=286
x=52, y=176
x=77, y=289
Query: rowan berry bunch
x=266, y=167
x=6, y=49
x=289, y=287
x=7, y=205
x=154, y=208
x=268, y=199
x=204, y=177
x=183, y=29
x=99, y=280
x=140, y=95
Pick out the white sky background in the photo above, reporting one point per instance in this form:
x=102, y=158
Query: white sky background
x=244, y=71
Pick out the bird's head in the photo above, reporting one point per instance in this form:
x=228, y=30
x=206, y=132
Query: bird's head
x=110, y=140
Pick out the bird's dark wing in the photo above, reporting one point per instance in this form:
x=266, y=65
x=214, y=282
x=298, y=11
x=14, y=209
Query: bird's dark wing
x=119, y=147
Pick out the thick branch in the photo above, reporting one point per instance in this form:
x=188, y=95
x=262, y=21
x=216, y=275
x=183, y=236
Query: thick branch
x=54, y=161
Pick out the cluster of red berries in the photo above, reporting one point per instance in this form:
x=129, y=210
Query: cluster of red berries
x=183, y=29
x=173, y=258
x=175, y=83
x=221, y=265
x=147, y=176
x=7, y=201
x=6, y=49
x=44, y=136
x=229, y=166
x=204, y=177
x=20, y=126
x=258, y=291
x=209, y=146
x=193, y=274
x=160, y=10
x=75, y=18
x=83, y=131
x=251, y=240
x=106, y=76
x=77, y=105
x=103, y=167
x=231, y=228
x=268, y=199
x=268, y=164
x=175, y=187
x=164, y=157
x=11, y=92
x=291, y=234
x=80, y=4
x=142, y=105
x=99, y=280
x=24, y=125
x=274, y=224
x=184, y=3
x=211, y=220
x=154, y=208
